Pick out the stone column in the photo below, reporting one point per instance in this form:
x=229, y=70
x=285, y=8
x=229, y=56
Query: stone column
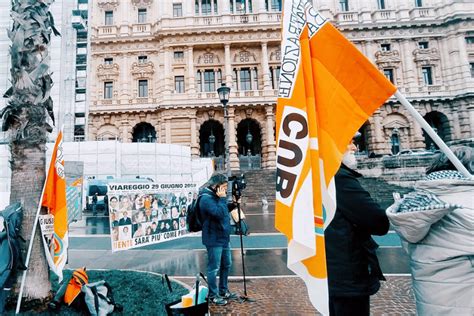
x=256, y=6
x=191, y=85
x=271, y=145
x=233, y=148
x=464, y=70
x=124, y=131
x=194, y=140
x=223, y=6
x=228, y=66
x=168, y=130
x=125, y=70
x=446, y=62
x=266, y=71
x=409, y=67
x=188, y=8
x=238, y=85
x=168, y=72
x=379, y=143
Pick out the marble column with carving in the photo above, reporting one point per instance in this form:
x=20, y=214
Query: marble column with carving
x=266, y=70
x=191, y=85
x=271, y=145
x=228, y=65
x=194, y=140
x=233, y=147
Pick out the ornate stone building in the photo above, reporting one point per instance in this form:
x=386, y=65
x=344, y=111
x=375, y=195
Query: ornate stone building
x=155, y=67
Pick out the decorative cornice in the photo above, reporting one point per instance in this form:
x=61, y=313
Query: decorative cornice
x=426, y=56
x=385, y=59
x=108, y=4
x=143, y=70
x=142, y=3
x=108, y=72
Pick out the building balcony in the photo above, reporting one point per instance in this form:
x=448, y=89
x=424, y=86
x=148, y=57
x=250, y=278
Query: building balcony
x=422, y=13
x=143, y=29
x=107, y=31
x=346, y=17
x=383, y=16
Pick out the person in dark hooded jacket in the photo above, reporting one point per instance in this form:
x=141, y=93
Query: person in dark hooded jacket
x=216, y=229
x=353, y=267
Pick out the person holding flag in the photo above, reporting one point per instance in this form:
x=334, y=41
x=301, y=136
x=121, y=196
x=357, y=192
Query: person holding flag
x=353, y=267
x=327, y=90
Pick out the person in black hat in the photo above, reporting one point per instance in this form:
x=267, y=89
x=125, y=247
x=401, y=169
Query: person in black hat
x=353, y=269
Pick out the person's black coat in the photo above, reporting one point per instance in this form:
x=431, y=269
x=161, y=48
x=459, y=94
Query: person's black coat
x=125, y=221
x=353, y=268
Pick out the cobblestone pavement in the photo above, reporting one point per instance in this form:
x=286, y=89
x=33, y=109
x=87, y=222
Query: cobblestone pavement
x=288, y=296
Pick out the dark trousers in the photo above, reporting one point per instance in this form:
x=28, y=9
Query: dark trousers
x=353, y=306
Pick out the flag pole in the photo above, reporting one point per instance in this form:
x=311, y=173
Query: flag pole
x=30, y=247
x=429, y=130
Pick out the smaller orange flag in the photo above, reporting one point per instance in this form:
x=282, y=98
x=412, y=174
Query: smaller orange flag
x=54, y=198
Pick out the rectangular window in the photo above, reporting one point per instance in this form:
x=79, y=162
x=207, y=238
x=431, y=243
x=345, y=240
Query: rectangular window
x=178, y=55
x=275, y=77
x=142, y=59
x=344, y=5
x=177, y=10
x=245, y=83
x=206, y=7
x=109, y=17
x=141, y=15
x=179, y=84
x=385, y=47
x=381, y=4
x=427, y=75
x=470, y=40
x=389, y=74
x=418, y=3
x=143, y=88
x=108, y=61
x=108, y=89
x=423, y=45
x=209, y=81
x=472, y=69
x=275, y=5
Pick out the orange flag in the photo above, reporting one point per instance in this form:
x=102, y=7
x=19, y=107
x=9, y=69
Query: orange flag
x=54, y=198
x=327, y=90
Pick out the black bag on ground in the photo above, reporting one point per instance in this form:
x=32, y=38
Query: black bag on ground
x=99, y=298
x=10, y=254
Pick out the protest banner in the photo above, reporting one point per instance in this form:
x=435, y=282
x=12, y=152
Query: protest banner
x=142, y=214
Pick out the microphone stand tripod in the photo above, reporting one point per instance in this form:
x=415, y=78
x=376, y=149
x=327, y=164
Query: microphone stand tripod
x=243, y=298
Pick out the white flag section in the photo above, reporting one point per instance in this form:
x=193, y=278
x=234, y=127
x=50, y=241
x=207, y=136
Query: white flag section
x=142, y=214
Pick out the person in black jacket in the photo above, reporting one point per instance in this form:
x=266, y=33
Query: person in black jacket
x=353, y=268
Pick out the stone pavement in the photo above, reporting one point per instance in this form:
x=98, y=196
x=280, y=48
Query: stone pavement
x=288, y=296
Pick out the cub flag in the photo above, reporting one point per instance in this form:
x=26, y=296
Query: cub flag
x=327, y=90
x=54, y=198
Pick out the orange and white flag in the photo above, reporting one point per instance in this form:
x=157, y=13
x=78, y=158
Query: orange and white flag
x=54, y=198
x=327, y=90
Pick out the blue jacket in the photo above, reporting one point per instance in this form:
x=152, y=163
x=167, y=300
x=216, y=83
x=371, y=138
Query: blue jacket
x=215, y=219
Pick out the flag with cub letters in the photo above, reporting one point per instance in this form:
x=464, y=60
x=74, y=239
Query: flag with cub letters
x=327, y=90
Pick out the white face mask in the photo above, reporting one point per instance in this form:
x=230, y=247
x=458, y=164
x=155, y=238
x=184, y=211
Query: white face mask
x=349, y=160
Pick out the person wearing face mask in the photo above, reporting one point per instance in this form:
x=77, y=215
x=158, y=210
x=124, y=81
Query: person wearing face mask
x=353, y=268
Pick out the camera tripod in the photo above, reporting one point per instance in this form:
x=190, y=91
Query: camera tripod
x=243, y=298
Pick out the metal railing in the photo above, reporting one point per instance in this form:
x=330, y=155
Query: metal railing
x=250, y=162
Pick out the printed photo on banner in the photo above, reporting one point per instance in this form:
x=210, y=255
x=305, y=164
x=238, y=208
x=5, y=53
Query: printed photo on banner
x=148, y=213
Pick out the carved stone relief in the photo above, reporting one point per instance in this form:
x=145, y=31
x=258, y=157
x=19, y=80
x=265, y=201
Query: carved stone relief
x=108, y=4
x=108, y=72
x=143, y=70
x=142, y=3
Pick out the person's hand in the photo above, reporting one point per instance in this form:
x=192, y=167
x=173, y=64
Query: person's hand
x=221, y=192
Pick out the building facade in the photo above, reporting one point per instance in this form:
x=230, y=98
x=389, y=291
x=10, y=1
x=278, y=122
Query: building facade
x=155, y=66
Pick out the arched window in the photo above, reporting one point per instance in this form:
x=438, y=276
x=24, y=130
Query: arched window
x=144, y=133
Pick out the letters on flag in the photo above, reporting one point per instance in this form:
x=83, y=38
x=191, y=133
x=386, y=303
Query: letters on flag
x=327, y=90
x=54, y=198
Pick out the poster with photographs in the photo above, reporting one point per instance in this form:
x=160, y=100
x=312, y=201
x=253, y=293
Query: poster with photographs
x=148, y=213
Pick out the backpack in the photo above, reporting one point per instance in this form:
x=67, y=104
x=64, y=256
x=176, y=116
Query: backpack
x=10, y=254
x=193, y=219
x=99, y=298
x=73, y=296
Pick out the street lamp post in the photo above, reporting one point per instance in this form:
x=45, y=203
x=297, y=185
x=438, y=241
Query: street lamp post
x=224, y=93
